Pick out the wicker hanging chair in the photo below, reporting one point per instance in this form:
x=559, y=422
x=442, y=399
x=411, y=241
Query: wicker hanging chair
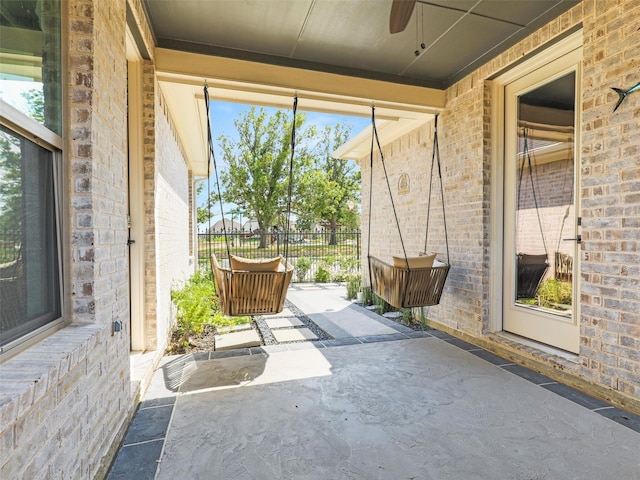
x=405, y=287
x=531, y=271
x=252, y=292
x=252, y=287
x=532, y=268
x=409, y=281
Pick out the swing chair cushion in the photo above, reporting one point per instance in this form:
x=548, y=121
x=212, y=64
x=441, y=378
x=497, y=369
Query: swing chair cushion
x=423, y=261
x=250, y=265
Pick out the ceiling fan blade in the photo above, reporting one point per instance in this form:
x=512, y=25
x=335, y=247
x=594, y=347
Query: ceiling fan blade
x=401, y=11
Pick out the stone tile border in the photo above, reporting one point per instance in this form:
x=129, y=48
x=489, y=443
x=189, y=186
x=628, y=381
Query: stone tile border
x=142, y=446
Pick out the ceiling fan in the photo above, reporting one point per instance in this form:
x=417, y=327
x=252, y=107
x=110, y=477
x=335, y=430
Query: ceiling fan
x=401, y=11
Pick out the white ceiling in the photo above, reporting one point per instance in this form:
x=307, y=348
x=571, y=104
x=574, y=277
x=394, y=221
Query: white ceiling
x=347, y=38
x=352, y=36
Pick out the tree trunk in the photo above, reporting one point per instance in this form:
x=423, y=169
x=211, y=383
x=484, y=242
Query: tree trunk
x=333, y=240
x=267, y=237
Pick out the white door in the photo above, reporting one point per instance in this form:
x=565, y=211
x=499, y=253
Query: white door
x=541, y=227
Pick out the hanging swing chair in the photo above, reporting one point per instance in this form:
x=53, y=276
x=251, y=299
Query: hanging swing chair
x=409, y=281
x=531, y=267
x=247, y=286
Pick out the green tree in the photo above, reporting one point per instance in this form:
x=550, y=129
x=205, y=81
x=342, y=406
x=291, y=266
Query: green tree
x=334, y=187
x=257, y=174
x=205, y=212
x=10, y=187
x=35, y=104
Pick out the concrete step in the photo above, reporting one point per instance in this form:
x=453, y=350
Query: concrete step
x=242, y=339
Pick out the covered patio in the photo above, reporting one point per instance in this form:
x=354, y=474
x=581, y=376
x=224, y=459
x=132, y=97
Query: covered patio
x=115, y=116
x=379, y=401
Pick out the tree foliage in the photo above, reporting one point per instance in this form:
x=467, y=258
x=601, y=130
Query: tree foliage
x=11, y=185
x=256, y=177
x=334, y=186
x=256, y=173
x=35, y=104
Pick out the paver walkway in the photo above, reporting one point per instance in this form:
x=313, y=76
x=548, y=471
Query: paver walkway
x=373, y=403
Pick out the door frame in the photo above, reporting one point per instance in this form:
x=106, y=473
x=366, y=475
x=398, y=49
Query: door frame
x=565, y=46
x=136, y=193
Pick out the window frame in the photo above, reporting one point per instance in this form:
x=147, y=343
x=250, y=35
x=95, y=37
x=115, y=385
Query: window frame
x=21, y=124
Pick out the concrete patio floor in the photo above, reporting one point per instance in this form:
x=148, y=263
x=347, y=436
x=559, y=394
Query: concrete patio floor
x=379, y=401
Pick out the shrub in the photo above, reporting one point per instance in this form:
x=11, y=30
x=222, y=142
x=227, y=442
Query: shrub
x=367, y=296
x=339, y=277
x=370, y=298
x=349, y=265
x=381, y=305
x=354, y=285
x=323, y=275
x=552, y=293
x=303, y=264
x=197, y=305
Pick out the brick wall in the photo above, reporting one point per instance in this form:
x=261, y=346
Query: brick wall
x=66, y=398
x=167, y=214
x=405, y=155
x=149, y=172
x=172, y=217
x=610, y=189
x=460, y=145
x=553, y=189
x=609, y=186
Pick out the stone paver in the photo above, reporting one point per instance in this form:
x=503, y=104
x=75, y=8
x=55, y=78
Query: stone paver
x=283, y=322
x=293, y=335
x=236, y=328
x=329, y=308
x=285, y=313
x=243, y=339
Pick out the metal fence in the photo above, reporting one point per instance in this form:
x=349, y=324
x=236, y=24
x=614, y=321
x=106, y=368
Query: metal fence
x=316, y=256
x=9, y=245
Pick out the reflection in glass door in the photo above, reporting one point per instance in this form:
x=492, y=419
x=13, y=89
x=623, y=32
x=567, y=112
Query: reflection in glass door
x=540, y=226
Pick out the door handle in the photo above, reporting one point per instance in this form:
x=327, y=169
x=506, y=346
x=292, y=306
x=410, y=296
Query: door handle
x=578, y=239
x=130, y=242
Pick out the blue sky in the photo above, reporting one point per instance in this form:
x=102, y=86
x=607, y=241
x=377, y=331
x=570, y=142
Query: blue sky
x=224, y=113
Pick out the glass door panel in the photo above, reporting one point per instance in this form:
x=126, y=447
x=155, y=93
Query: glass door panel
x=540, y=224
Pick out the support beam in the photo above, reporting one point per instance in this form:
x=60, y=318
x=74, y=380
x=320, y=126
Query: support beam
x=333, y=87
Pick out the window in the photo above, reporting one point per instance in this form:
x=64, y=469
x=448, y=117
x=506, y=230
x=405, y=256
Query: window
x=29, y=263
x=30, y=67
x=30, y=165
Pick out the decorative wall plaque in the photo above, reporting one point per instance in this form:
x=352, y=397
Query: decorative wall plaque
x=404, y=184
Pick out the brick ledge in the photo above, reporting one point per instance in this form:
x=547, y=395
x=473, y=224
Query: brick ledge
x=27, y=376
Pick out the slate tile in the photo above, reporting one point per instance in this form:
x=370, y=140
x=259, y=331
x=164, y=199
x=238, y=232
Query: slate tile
x=460, y=343
x=149, y=424
x=137, y=462
x=527, y=374
x=490, y=357
x=576, y=396
x=382, y=338
x=157, y=402
x=339, y=342
x=418, y=334
x=440, y=334
x=622, y=417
